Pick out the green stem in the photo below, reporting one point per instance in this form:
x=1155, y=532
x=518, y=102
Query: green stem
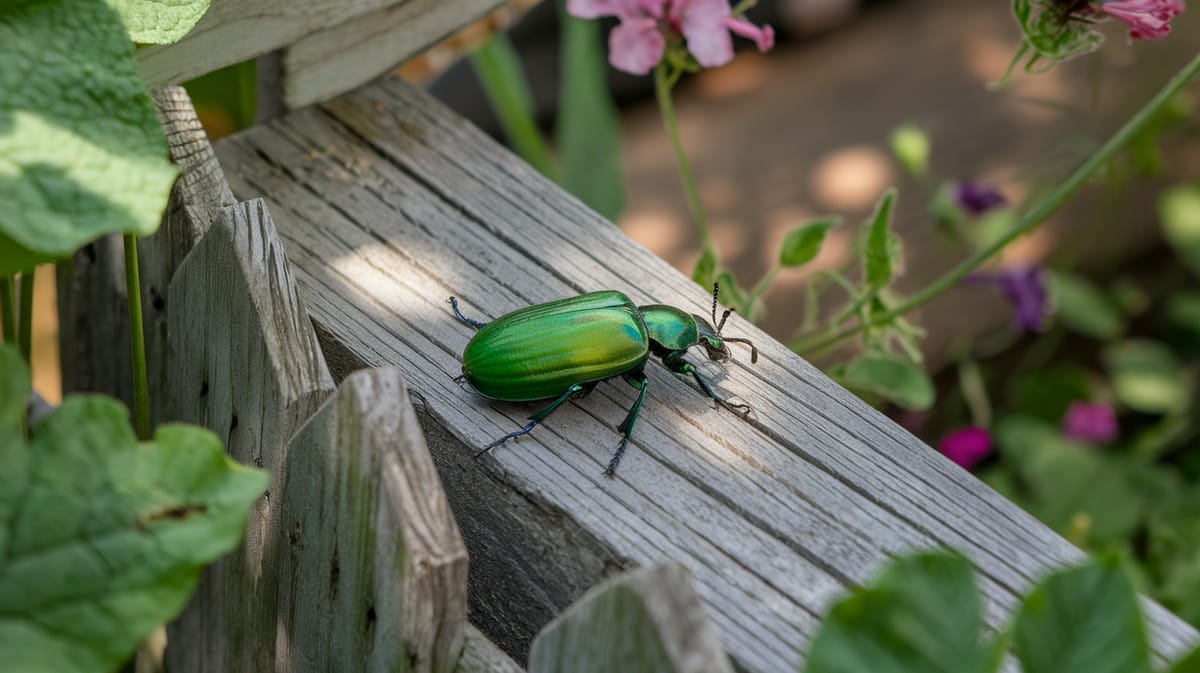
x=503, y=78
x=662, y=87
x=137, y=340
x=8, y=309
x=1036, y=215
x=25, y=323
x=764, y=284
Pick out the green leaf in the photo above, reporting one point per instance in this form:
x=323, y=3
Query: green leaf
x=14, y=388
x=1183, y=310
x=705, y=269
x=499, y=70
x=1146, y=376
x=923, y=615
x=1189, y=663
x=159, y=21
x=1083, y=308
x=911, y=147
x=732, y=294
x=588, y=130
x=891, y=378
x=1173, y=555
x=881, y=248
x=1047, y=393
x=803, y=243
x=81, y=153
x=1179, y=212
x=1082, y=620
x=103, y=538
x=1072, y=488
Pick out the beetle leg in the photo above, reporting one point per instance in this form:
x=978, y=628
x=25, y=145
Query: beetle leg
x=462, y=318
x=534, y=419
x=640, y=382
x=677, y=364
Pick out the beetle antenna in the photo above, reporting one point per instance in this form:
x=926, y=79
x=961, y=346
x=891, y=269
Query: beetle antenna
x=753, y=350
x=724, y=317
x=716, y=291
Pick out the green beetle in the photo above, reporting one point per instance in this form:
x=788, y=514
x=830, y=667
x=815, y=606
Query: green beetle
x=565, y=348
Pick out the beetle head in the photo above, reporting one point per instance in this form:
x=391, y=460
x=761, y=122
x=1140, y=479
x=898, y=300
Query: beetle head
x=710, y=338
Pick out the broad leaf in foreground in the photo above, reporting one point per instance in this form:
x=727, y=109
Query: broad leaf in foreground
x=159, y=21
x=103, y=538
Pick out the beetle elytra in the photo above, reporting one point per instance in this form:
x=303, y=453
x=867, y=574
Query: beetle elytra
x=564, y=348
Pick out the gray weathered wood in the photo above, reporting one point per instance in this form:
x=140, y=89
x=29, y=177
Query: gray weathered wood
x=480, y=655
x=387, y=203
x=238, y=30
x=244, y=363
x=648, y=619
x=374, y=573
x=322, y=65
x=93, y=328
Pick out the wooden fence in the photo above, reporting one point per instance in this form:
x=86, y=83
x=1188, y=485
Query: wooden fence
x=304, y=250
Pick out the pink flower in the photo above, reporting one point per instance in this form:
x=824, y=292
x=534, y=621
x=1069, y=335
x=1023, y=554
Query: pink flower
x=966, y=446
x=1090, y=422
x=637, y=45
x=1147, y=19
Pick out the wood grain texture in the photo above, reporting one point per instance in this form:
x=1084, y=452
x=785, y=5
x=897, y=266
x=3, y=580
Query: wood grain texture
x=92, y=300
x=480, y=655
x=648, y=619
x=374, y=572
x=233, y=31
x=387, y=203
x=325, y=64
x=244, y=363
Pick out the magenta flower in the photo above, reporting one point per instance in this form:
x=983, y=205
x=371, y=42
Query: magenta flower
x=638, y=43
x=966, y=446
x=977, y=197
x=1147, y=19
x=1092, y=422
x=1025, y=287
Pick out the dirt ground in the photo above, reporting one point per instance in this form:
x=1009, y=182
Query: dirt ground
x=802, y=131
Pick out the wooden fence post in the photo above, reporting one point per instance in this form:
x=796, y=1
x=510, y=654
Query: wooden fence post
x=374, y=572
x=243, y=362
x=648, y=619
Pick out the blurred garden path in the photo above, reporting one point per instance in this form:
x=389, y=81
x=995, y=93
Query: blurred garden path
x=802, y=131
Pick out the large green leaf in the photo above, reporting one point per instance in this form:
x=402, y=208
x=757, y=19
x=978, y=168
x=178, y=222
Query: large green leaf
x=802, y=244
x=1179, y=212
x=923, y=615
x=588, y=129
x=81, y=151
x=1147, y=376
x=159, y=21
x=1084, y=308
x=892, y=379
x=881, y=248
x=1189, y=663
x=14, y=388
x=1083, y=620
x=103, y=538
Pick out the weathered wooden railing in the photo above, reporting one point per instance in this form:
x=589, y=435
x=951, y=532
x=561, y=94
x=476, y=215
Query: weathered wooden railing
x=386, y=203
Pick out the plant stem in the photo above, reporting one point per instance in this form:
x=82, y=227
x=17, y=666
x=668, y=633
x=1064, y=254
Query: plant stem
x=25, y=322
x=1034, y=216
x=662, y=87
x=8, y=310
x=499, y=70
x=137, y=340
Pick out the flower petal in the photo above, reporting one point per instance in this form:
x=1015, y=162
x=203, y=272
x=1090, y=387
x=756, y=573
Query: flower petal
x=635, y=46
x=763, y=37
x=1147, y=19
x=702, y=23
x=592, y=9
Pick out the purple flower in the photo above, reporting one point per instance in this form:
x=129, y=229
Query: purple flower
x=638, y=43
x=977, y=197
x=1147, y=19
x=966, y=446
x=1025, y=287
x=1092, y=422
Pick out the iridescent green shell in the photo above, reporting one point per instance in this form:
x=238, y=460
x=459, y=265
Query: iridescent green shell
x=671, y=328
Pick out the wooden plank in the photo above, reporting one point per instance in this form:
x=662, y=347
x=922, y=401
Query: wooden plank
x=322, y=65
x=480, y=655
x=374, y=573
x=387, y=203
x=238, y=30
x=93, y=329
x=648, y=619
x=245, y=364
